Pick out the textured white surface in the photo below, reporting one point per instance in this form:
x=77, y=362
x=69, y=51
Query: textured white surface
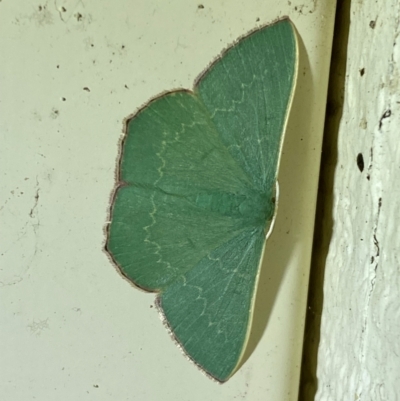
x=71, y=71
x=359, y=354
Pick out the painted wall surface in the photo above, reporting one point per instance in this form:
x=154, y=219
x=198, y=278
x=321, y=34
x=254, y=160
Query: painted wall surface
x=359, y=353
x=71, y=71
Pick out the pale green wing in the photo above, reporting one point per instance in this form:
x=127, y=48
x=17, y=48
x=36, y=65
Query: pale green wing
x=172, y=144
x=247, y=93
x=155, y=237
x=210, y=318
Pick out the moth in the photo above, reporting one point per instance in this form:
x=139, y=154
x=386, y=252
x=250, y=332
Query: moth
x=196, y=194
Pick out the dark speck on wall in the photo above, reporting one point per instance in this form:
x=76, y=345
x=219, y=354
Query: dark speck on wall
x=362, y=71
x=360, y=162
x=54, y=113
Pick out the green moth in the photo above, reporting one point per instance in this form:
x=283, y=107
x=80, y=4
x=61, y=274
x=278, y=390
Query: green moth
x=196, y=194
